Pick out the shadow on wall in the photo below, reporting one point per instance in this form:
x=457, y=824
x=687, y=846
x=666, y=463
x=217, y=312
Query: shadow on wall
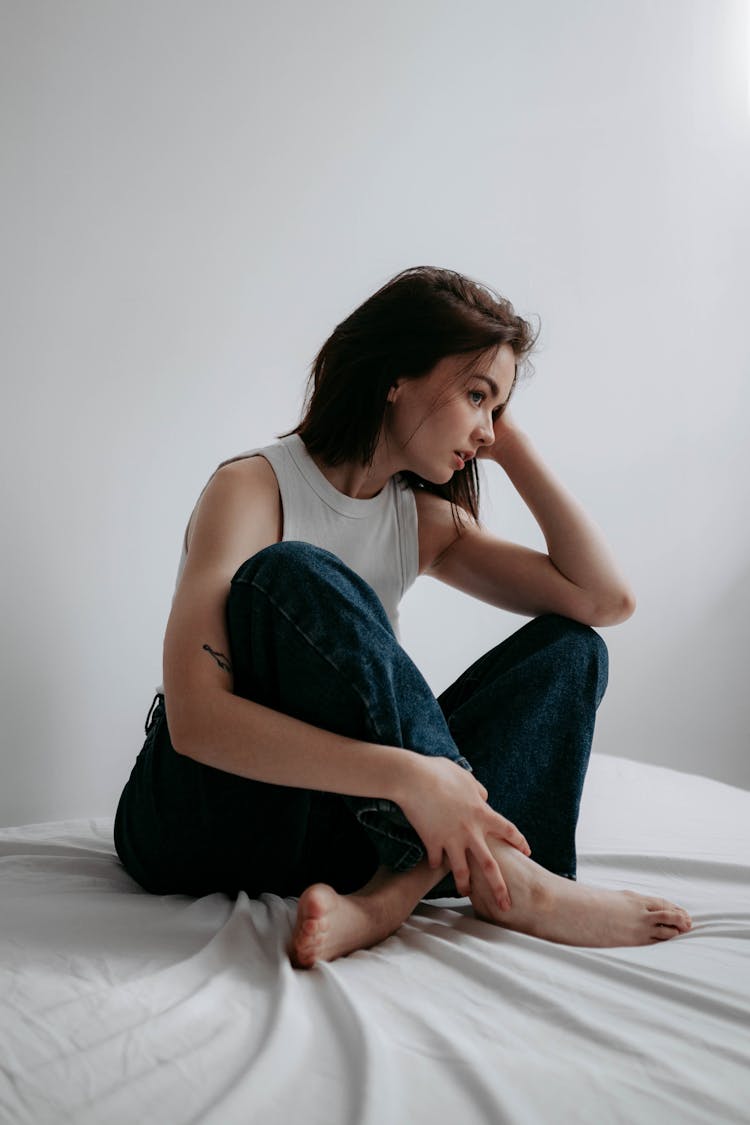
x=31, y=703
x=707, y=692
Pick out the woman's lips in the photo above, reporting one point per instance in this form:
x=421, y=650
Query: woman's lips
x=459, y=460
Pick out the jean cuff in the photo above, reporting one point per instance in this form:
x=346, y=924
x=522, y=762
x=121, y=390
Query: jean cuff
x=398, y=845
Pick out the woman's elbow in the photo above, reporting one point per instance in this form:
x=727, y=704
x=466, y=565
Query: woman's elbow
x=615, y=609
x=179, y=724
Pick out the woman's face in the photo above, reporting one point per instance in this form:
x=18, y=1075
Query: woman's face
x=436, y=423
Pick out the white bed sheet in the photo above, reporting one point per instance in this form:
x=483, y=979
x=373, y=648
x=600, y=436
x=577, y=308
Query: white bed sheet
x=117, y=1006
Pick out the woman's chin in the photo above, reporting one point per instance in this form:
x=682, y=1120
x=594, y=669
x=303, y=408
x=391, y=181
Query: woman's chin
x=437, y=478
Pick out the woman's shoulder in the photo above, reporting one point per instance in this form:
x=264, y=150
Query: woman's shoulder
x=253, y=468
x=243, y=486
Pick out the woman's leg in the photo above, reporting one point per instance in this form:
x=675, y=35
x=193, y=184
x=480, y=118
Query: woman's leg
x=310, y=638
x=523, y=715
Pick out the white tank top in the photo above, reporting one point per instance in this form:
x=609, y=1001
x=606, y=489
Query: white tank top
x=377, y=538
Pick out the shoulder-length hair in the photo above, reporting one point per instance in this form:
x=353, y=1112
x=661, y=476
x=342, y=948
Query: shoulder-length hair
x=420, y=316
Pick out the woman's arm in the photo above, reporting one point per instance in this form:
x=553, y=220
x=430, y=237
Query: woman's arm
x=238, y=515
x=578, y=577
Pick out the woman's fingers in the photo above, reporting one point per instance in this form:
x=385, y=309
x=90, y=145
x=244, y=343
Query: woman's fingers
x=435, y=859
x=461, y=873
x=490, y=869
x=508, y=832
x=494, y=877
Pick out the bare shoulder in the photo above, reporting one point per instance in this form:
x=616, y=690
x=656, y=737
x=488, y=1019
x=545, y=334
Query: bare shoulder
x=436, y=526
x=241, y=501
x=253, y=474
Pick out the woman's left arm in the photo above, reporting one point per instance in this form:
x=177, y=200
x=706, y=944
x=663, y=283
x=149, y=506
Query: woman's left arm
x=578, y=577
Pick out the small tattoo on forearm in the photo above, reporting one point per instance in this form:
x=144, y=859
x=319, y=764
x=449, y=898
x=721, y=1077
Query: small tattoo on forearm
x=220, y=659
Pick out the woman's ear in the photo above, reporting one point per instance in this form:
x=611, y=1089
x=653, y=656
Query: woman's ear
x=393, y=391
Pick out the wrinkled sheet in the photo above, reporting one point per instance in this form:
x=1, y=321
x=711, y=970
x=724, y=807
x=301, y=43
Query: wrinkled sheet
x=117, y=1006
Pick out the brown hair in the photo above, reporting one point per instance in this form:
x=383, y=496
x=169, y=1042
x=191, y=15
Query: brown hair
x=420, y=316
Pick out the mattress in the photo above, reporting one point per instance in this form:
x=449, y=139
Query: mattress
x=118, y=1006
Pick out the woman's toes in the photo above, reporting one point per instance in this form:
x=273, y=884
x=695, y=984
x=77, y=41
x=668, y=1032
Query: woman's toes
x=660, y=910
x=673, y=918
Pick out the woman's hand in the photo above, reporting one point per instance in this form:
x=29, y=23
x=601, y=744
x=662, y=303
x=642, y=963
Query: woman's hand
x=447, y=807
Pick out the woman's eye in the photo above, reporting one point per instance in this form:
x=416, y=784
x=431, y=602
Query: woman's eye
x=477, y=397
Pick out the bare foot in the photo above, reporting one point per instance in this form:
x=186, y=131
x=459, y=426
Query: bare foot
x=329, y=925
x=562, y=910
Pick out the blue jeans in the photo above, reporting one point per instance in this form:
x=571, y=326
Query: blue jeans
x=310, y=637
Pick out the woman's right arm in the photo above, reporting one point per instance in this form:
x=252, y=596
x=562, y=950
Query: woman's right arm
x=238, y=515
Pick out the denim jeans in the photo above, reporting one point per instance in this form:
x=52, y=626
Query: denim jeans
x=310, y=637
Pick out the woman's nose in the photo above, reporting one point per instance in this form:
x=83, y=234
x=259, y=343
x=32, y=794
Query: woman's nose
x=485, y=431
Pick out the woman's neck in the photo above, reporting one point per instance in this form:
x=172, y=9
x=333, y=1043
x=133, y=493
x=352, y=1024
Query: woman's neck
x=361, y=482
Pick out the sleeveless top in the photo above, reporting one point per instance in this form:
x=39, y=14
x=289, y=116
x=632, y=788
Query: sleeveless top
x=377, y=538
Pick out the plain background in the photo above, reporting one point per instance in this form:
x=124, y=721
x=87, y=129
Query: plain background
x=196, y=193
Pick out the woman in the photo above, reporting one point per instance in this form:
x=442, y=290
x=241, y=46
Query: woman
x=294, y=747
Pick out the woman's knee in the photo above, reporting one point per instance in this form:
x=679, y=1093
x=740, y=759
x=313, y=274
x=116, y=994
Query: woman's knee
x=572, y=632
x=294, y=572
x=582, y=648
x=289, y=558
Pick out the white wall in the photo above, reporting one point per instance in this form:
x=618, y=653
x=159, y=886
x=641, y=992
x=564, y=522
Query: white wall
x=197, y=192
